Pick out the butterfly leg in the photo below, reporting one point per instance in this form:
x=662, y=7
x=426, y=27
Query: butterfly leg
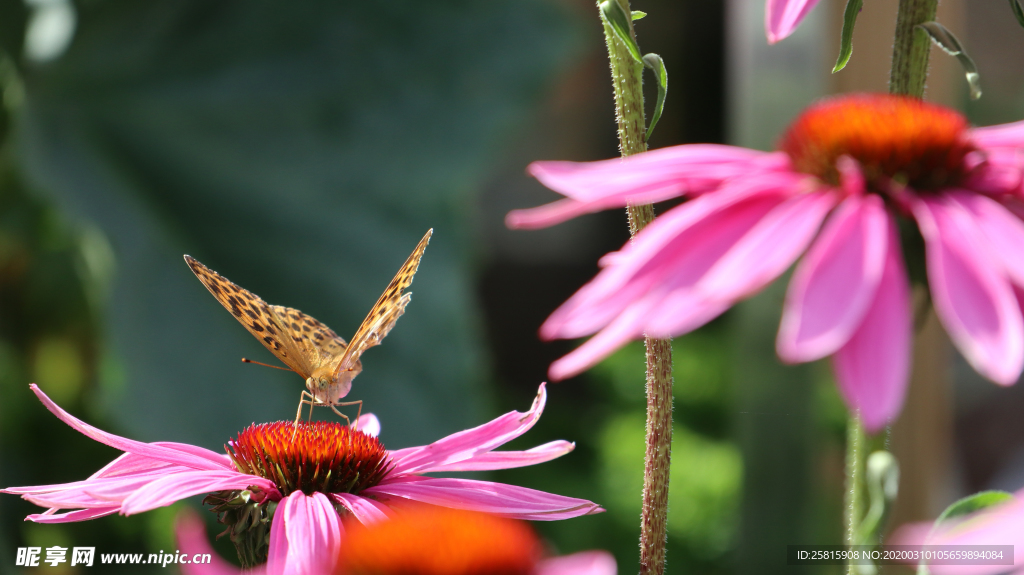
x=358, y=414
x=347, y=420
x=298, y=412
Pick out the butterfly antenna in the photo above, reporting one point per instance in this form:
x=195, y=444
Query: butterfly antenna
x=244, y=360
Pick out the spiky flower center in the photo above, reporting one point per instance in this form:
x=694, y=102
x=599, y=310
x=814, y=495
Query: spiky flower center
x=431, y=540
x=319, y=456
x=893, y=138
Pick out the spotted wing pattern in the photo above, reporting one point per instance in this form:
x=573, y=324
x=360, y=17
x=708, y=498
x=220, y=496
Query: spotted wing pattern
x=386, y=311
x=298, y=340
x=319, y=344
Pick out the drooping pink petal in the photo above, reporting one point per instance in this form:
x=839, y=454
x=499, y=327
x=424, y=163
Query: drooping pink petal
x=368, y=424
x=767, y=250
x=781, y=17
x=583, y=563
x=1000, y=136
x=672, y=253
x=305, y=536
x=169, y=489
x=689, y=266
x=72, y=516
x=194, y=457
x=101, y=492
x=193, y=543
x=466, y=444
x=1004, y=231
x=641, y=179
x=365, y=511
x=835, y=282
x=873, y=367
x=496, y=498
x=972, y=297
x=510, y=459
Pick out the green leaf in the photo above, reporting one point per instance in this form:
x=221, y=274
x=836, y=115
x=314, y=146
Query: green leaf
x=638, y=15
x=1018, y=11
x=846, y=43
x=945, y=39
x=617, y=18
x=657, y=65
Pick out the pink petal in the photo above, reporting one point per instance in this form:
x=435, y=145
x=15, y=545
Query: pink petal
x=972, y=297
x=642, y=179
x=167, y=490
x=781, y=17
x=305, y=536
x=835, y=282
x=584, y=563
x=767, y=250
x=873, y=367
x=195, y=457
x=511, y=459
x=192, y=541
x=1000, y=136
x=497, y=498
x=467, y=444
x=1001, y=525
x=672, y=253
x=71, y=516
x=1004, y=231
x=996, y=171
x=101, y=492
x=368, y=424
x=366, y=511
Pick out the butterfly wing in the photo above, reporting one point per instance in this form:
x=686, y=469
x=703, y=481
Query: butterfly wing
x=385, y=312
x=317, y=342
x=288, y=333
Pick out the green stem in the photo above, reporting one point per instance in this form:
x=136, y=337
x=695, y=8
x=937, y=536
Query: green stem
x=629, y=112
x=854, y=501
x=910, y=47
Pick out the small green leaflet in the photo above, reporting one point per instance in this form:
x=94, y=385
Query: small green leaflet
x=657, y=65
x=638, y=15
x=846, y=43
x=945, y=39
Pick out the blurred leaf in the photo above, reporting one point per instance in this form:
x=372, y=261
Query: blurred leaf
x=637, y=15
x=972, y=503
x=853, y=8
x=945, y=39
x=301, y=151
x=1018, y=11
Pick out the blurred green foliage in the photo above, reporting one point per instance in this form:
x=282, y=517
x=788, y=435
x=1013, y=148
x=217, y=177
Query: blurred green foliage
x=299, y=148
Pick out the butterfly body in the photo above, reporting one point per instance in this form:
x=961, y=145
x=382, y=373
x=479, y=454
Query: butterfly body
x=308, y=347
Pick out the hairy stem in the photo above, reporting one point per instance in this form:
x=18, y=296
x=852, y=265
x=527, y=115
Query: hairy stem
x=910, y=47
x=853, y=506
x=629, y=112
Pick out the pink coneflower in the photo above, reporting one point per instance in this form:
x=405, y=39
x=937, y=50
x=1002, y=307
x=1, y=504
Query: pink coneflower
x=423, y=540
x=299, y=487
x=858, y=164
x=781, y=17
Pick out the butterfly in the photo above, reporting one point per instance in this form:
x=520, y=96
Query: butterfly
x=308, y=347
